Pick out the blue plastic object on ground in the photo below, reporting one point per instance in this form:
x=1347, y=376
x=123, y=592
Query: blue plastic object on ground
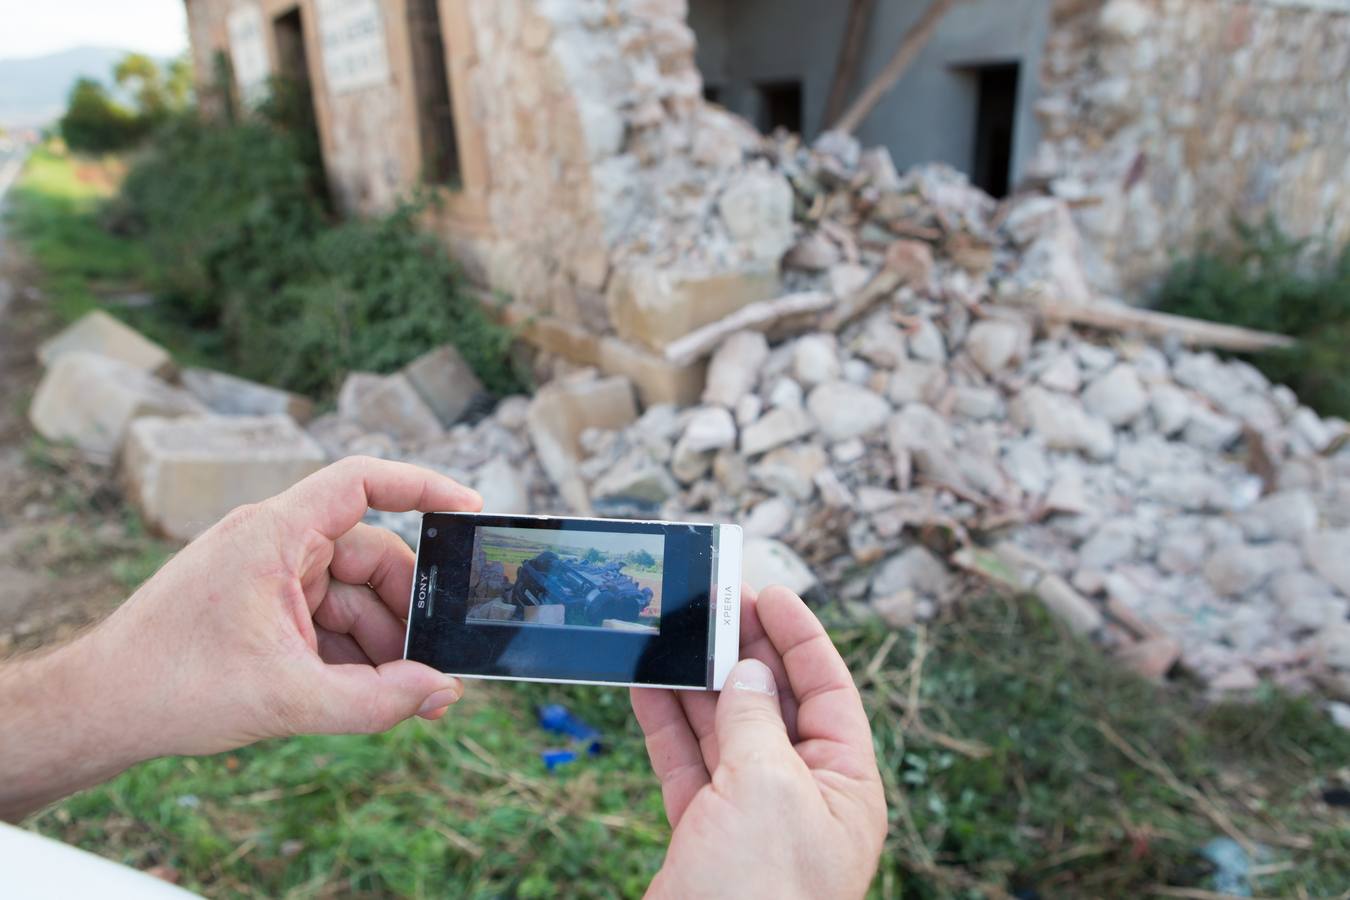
x=555, y=758
x=559, y=719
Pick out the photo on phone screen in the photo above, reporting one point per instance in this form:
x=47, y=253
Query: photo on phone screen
x=600, y=601
x=575, y=579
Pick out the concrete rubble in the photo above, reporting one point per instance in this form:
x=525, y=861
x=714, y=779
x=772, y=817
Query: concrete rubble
x=928, y=437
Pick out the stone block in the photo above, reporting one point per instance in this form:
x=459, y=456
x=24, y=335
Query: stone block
x=230, y=395
x=656, y=379
x=388, y=404
x=88, y=400
x=561, y=411
x=185, y=474
x=98, y=332
x=654, y=306
x=444, y=380
x=768, y=562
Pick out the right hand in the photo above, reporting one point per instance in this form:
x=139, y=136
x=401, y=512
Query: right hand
x=772, y=786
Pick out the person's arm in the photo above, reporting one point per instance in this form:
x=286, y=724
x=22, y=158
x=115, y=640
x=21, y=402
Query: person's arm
x=772, y=786
x=286, y=617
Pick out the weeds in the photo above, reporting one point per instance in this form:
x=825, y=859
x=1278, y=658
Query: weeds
x=1265, y=279
x=1016, y=761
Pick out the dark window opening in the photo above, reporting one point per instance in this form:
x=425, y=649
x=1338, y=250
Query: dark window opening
x=431, y=82
x=780, y=106
x=292, y=99
x=995, y=126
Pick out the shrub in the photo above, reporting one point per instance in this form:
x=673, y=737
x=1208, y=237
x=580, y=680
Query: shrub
x=1265, y=279
x=241, y=244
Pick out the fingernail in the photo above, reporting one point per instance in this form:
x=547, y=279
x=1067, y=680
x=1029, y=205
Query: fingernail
x=753, y=675
x=443, y=697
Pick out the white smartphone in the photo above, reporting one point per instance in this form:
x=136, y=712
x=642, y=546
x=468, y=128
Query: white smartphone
x=577, y=601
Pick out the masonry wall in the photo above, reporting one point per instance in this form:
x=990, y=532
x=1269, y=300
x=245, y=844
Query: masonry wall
x=1162, y=119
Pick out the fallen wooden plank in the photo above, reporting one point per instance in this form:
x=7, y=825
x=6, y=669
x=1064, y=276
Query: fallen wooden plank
x=1191, y=332
x=754, y=317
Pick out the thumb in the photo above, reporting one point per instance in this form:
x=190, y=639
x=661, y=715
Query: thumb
x=749, y=720
x=364, y=699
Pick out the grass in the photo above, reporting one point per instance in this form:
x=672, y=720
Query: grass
x=1015, y=758
x=56, y=210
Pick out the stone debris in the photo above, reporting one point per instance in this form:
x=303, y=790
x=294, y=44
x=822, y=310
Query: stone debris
x=90, y=400
x=930, y=435
x=184, y=474
x=230, y=395
x=445, y=383
x=388, y=405
x=97, y=332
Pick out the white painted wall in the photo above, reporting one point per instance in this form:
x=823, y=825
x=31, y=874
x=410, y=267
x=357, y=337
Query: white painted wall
x=930, y=114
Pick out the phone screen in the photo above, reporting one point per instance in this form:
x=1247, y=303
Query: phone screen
x=590, y=600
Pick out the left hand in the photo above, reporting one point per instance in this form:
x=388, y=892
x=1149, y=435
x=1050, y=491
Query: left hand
x=285, y=617
x=288, y=616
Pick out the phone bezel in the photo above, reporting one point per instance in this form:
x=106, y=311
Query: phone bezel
x=724, y=599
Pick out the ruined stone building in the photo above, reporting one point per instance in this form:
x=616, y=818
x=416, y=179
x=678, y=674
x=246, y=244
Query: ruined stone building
x=597, y=161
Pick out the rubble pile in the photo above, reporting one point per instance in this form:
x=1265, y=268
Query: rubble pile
x=928, y=428
x=913, y=430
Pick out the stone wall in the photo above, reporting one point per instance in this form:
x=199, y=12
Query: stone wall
x=599, y=191
x=1162, y=119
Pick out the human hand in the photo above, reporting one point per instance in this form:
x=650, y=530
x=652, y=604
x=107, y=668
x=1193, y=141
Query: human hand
x=772, y=786
x=286, y=617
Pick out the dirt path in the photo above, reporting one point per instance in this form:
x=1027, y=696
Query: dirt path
x=62, y=531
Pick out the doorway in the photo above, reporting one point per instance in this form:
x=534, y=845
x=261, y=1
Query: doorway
x=780, y=106
x=995, y=126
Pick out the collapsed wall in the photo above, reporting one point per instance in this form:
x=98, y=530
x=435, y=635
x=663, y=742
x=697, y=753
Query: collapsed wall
x=618, y=194
x=1163, y=119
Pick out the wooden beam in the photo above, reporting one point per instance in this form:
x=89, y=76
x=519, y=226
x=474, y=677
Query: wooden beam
x=906, y=51
x=754, y=317
x=1191, y=332
x=850, y=56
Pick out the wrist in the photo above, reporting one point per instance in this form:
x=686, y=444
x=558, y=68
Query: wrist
x=67, y=723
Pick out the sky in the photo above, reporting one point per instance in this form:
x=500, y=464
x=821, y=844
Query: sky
x=37, y=27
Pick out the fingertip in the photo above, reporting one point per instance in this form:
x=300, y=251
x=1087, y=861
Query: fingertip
x=435, y=714
x=752, y=675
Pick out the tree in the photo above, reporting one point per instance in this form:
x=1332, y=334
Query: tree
x=594, y=556
x=96, y=123
x=157, y=92
x=642, y=559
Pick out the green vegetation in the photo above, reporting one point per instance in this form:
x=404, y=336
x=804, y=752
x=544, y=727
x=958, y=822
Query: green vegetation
x=1267, y=280
x=94, y=122
x=55, y=211
x=227, y=225
x=1015, y=759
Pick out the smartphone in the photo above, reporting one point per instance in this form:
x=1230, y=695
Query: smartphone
x=577, y=601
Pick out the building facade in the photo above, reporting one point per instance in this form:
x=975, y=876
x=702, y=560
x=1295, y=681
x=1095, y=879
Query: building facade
x=594, y=159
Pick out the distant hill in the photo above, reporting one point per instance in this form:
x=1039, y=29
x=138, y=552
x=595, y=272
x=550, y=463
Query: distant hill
x=33, y=89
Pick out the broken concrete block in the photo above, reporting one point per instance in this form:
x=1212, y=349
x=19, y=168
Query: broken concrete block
x=558, y=415
x=444, y=380
x=766, y=562
x=89, y=400
x=390, y=405
x=98, y=332
x=655, y=306
x=185, y=474
x=230, y=395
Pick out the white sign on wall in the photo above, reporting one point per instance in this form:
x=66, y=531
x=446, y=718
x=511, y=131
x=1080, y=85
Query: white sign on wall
x=248, y=53
x=351, y=36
